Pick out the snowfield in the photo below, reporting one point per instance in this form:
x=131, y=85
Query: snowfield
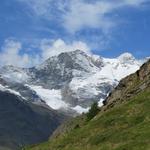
x=51, y=97
x=71, y=80
x=80, y=109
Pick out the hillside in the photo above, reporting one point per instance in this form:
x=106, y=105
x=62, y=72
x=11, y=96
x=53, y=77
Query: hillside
x=23, y=123
x=122, y=124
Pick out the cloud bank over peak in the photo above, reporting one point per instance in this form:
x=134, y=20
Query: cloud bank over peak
x=38, y=28
x=55, y=47
x=12, y=53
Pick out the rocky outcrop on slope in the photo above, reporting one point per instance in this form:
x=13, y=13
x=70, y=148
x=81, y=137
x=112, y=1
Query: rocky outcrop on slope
x=129, y=86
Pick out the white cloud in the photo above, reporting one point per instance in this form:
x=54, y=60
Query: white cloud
x=39, y=7
x=51, y=48
x=12, y=52
x=75, y=15
x=10, y=55
x=82, y=14
x=134, y=2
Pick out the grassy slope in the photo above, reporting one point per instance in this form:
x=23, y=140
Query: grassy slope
x=123, y=127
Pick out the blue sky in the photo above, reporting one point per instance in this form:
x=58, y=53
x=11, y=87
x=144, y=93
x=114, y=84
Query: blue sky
x=33, y=30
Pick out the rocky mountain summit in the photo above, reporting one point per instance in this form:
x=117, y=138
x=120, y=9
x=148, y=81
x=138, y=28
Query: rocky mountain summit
x=69, y=82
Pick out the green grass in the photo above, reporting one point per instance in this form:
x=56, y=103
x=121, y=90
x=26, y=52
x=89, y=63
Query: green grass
x=124, y=127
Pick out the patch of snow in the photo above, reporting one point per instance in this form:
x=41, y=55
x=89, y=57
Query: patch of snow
x=80, y=109
x=15, y=77
x=114, y=69
x=3, y=88
x=100, y=103
x=51, y=97
x=86, y=62
x=14, y=74
x=88, y=87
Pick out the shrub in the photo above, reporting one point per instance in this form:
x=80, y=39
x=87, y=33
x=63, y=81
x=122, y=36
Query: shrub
x=93, y=111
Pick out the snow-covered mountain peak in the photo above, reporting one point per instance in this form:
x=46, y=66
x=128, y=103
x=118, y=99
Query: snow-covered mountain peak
x=126, y=58
x=75, y=60
x=70, y=80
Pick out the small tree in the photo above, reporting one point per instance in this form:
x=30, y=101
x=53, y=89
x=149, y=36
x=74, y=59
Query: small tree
x=93, y=111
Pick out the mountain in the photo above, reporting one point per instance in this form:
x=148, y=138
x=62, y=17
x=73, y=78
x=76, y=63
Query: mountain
x=69, y=82
x=42, y=97
x=23, y=123
x=123, y=123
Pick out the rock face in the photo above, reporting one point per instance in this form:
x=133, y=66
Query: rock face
x=71, y=81
x=23, y=123
x=130, y=86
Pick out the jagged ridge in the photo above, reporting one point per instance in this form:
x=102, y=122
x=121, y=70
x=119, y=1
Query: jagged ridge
x=73, y=80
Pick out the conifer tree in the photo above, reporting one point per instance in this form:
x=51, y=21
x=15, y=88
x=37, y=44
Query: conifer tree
x=93, y=111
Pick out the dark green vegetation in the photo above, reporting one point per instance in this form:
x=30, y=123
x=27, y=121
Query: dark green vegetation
x=93, y=111
x=122, y=124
